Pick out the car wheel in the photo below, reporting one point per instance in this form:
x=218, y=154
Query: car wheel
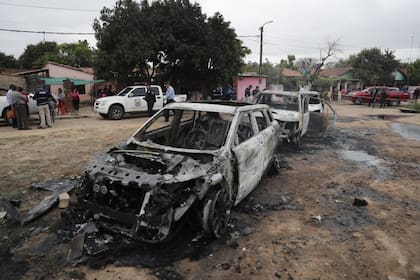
x=358, y=101
x=395, y=102
x=116, y=112
x=217, y=213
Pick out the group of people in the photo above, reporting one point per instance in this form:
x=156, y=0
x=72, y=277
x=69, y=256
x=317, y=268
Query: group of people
x=250, y=93
x=106, y=91
x=150, y=98
x=374, y=94
x=46, y=102
x=18, y=109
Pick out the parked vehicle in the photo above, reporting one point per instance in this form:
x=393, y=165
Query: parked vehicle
x=315, y=101
x=207, y=159
x=393, y=95
x=130, y=100
x=33, y=108
x=291, y=110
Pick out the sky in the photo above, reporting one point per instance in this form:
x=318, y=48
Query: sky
x=299, y=27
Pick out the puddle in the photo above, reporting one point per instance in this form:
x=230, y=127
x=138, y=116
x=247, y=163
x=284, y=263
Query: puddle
x=385, y=117
x=361, y=157
x=408, y=131
x=364, y=159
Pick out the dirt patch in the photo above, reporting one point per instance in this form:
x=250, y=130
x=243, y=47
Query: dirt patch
x=298, y=224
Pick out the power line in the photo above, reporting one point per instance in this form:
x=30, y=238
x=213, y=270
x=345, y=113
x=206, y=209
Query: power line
x=47, y=32
x=49, y=8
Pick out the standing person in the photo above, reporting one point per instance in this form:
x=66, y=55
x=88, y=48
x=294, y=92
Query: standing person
x=170, y=97
x=248, y=93
x=76, y=99
x=150, y=99
x=372, y=99
x=228, y=92
x=416, y=94
x=301, y=89
x=9, y=97
x=41, y=97
x=255, y=92
x=19, y=102
x=52, y=101
x=61, y=104
x=339, y=96
x=383, y=98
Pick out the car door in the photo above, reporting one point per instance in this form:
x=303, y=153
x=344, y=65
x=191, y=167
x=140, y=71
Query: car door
x=136, y=102
x=267, y=133
x=304, y=113
x=159, y=97
x=249, y=159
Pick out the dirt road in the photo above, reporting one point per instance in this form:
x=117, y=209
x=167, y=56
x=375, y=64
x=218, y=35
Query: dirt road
x=298, y=224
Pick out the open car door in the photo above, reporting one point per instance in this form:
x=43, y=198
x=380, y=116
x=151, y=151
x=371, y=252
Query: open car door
x=319, y=122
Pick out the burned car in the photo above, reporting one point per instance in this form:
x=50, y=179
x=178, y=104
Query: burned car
x=197, y=166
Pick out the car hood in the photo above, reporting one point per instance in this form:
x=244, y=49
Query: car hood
x=110, y=99
x=284, y=115
x=148, y=168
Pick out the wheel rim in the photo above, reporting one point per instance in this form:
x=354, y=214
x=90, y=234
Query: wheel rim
x=116, y=113
x=219, y=213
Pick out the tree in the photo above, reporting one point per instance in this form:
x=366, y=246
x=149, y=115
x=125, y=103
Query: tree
x=7, y=61
x=374, y=67
x=168, y=39
x=36, y=56
x=74, y=54
x=311, y=67
x=413, y=72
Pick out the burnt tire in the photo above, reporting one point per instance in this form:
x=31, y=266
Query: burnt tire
x=217, y=213
x=116, y=112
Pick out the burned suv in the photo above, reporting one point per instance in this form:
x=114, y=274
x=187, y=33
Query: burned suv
x=197, y=166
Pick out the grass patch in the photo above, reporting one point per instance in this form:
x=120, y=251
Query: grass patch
x=414, y=106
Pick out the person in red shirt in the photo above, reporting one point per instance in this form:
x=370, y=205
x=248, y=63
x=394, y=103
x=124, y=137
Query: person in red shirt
x=76, y=99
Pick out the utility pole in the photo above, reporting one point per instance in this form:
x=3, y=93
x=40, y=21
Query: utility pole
x=261, y=50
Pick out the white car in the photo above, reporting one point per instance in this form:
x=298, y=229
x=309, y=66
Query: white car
x=207, y=159
x=130, y=100
x=291, y=110
x=33, y=108
x=315, y=101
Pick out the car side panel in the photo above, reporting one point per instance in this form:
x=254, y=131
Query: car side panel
x=250, y=165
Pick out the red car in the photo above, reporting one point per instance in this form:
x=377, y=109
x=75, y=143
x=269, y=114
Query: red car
x=393, y=95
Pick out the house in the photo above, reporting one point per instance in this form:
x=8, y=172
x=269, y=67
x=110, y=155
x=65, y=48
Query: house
x=342, y=78
x=54, y=73
x=243, y=80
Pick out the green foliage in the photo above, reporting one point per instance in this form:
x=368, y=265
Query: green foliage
x=169, y=38
x=73, y=54
x=7, y=61
x=374, y=67
x=413, y=71
x=414, y=106
x=35, y=56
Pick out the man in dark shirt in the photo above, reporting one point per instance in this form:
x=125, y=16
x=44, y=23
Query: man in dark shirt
x=150, y=99
x=41, y=97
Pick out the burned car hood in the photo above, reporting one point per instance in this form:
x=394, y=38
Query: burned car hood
x=147, y=167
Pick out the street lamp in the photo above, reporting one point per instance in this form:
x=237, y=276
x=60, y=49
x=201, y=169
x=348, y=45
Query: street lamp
x=261, y=50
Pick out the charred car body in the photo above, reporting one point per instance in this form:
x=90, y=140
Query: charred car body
x=197, y=166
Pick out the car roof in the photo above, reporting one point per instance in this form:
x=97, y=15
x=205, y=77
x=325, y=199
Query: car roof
x=290, y=93
x=230, y=107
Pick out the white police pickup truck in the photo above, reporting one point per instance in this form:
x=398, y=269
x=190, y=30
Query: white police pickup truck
x=131, y=100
